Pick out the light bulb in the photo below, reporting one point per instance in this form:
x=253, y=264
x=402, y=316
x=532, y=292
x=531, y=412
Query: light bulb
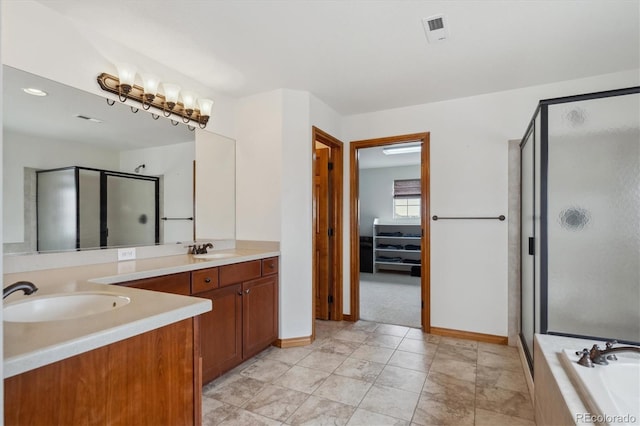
x=205, y=106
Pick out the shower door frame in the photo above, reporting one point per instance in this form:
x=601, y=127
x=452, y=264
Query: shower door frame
x=542, y=113
x=104, y=174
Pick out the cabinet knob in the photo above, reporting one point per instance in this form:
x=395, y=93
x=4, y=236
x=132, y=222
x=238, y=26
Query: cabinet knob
x=207, y=280
x=247, y=291
x=271, y=265
x=239, y=292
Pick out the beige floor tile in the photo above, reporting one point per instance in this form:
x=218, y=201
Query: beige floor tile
x=490, y=418
x=504, y=350
x=302, y=379
x=384, y=341
x=235, y=392
x=276, y=402
x=320, y=360
x=343, y=389
x=392, y=402
x=341, y=347
x=352, y=335
x=418, y=346
x=359, y=369
x=500, y=378
x=368, y=326
x=459, y=353
x=417, y=334
x=503, y=401
x=373, y=354
x=320, y=411
x=468, y=344
x=265, y=370
x=368, y=418
x=401, y=378
x=214, y=411
x=508, y=362
x=459, y=369
x=449, y=389
x=419, y=362
x=430, y=412
x=247, y=418
x=392, y=330
x=288, y=355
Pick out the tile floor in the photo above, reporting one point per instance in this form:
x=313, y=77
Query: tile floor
x=371, y=374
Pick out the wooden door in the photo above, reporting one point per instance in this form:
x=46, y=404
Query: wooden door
x=259, y=314
x=221, y=331
x=322, y=221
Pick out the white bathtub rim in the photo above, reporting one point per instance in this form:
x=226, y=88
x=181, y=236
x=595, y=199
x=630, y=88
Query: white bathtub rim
x=597, y=397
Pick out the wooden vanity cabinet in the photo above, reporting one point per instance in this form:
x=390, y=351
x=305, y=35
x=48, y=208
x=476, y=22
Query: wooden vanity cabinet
x=244, y=318
x=221, y=332
x=259, y=314
x=151, y=378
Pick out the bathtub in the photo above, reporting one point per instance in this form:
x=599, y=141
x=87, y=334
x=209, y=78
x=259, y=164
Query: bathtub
x=610, y=392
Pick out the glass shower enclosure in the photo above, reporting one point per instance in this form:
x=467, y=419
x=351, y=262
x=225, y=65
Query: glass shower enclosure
x=580, y=218
x=78, y=208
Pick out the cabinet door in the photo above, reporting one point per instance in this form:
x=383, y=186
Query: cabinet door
x=221, y=332
x=260, y=314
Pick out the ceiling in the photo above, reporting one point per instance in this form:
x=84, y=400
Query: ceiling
x=362, y=56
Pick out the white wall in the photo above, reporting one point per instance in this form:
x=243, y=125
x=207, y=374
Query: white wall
x=22, y=151
x=274, y=184
x=376, y=193
x=215, y=187
x=469, y=143
x=259, y=166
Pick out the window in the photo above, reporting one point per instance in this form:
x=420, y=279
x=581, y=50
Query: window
x=406, y=198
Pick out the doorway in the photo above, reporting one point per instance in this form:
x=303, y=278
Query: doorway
x=418, y=139
x=327, y=226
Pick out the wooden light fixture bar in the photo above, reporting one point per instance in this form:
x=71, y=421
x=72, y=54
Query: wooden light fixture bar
x=111, y=84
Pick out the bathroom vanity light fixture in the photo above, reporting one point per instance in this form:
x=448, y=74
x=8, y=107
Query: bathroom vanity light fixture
x=402, y=149
x=191, y=110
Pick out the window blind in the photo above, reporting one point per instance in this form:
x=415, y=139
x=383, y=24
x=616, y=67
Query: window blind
x=406, y=188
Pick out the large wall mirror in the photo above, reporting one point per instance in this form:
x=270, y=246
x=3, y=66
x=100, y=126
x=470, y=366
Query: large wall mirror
x=150, y=161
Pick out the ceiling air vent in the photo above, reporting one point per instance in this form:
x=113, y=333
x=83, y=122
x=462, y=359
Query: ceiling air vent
x=435, y=27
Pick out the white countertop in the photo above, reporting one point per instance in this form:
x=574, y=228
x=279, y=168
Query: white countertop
x=32, y=345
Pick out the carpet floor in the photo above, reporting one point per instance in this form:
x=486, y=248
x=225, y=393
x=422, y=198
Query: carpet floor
x=390, y=298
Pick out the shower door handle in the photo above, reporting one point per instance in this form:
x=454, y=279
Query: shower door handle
x=532, y=246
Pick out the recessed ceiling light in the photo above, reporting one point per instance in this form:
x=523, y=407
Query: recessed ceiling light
x=35, y=92
x=402, y=149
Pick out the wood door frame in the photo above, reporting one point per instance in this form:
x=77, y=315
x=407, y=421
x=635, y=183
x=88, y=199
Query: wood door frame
x=354, y=204
x=336, y=146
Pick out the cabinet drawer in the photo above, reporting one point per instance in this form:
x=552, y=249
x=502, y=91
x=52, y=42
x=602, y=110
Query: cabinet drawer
x=204, y=279
x=174, y=283
x=269, y=266
x=238, y=272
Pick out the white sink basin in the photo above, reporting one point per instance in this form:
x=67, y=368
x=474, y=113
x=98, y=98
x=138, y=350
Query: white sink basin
x=213, y=255
x=62, y=306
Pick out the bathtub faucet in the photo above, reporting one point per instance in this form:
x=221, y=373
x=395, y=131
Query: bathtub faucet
x=603, y=356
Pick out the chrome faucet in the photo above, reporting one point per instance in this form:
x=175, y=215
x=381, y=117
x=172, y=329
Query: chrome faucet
x=202, y=249
x=25, y=286
x=603, y=356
